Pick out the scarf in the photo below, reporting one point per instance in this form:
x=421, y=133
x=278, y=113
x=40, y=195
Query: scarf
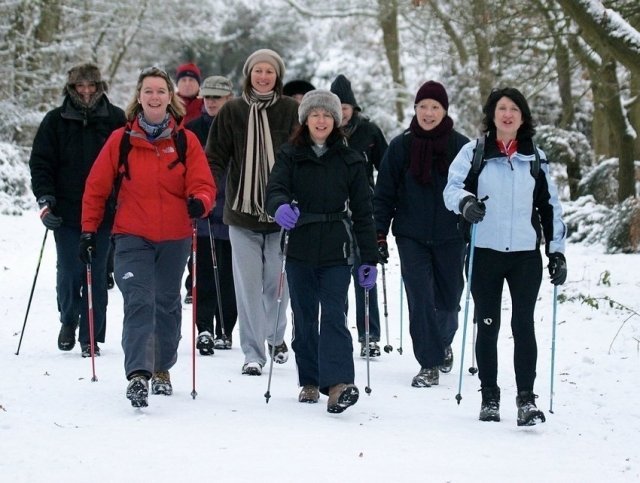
x=428, y=146
x=153, y=130
x=259, y=157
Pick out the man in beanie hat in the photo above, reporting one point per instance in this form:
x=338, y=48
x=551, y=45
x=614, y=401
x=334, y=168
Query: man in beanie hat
x=409, y=199
x=297, y=88
x=365, y=137
x=65, y=147
x=216, y=92
x=242, y=143
x=323, y=175
x=188, y=79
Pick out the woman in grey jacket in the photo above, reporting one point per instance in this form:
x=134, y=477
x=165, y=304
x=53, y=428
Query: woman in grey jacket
x=243, y=139
x=521, y=205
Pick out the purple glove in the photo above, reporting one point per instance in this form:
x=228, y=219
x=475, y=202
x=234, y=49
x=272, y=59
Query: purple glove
x=286, y=216
x=367, y=276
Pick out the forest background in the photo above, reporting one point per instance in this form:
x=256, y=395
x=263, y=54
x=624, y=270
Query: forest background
x=577, y=62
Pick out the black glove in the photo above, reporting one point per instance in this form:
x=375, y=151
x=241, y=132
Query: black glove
x=87, y=246
x=46, y=204
x=557, y=268
x=383, y=248
x=472, y=210
x=195, y=207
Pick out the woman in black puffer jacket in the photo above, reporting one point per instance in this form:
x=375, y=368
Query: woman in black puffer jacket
x=332, y=216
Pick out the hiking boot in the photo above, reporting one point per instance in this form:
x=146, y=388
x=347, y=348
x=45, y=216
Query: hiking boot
x=341, y=396
x=448, y=360
x=138, y=391
x=161, y=383
x=205, y=343
x=528, y=413
x=280, y=353
x=427, y=377
x=110, y=281
x=374, y=349
x=490, y=407
x=86, y=350
x=309, y=394
x=252, y=369
x=223, y=342
x=67, y=337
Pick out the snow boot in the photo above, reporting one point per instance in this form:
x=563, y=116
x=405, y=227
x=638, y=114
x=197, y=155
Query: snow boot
x=342, y=396
x=280, y=353
x=427, y=377
x=138, y=391
x=252, y=369
x=86, y=350
x=528, y=413
x=67, y=337
x=205, y=343
x=309, y=394
x=490, y=407
x=374, y=349
x=448, y=360
x=161, y=383
x=222, y=342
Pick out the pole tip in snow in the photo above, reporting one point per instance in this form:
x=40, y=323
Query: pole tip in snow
x=400, y=350
x=267, y=396
x=94, y=379
x=473, y=370
x=388, y=348
x=367, y=390
x=194, y=394
x=458, y=398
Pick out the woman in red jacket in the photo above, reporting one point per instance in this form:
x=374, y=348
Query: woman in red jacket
x=159, y=189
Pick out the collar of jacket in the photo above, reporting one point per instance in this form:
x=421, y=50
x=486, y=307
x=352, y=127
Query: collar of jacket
x=71, y=112
x=491, y=150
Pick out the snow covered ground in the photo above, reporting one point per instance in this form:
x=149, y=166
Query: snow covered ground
x=57, y=425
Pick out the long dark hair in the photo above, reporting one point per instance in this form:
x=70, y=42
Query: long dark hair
x=527, y=130
x=301, y=136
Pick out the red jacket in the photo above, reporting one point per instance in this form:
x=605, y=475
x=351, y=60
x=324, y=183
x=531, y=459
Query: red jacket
x=153, y=203
x=193, y=106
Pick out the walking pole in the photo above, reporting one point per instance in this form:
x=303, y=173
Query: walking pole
x=194, y=302
x=472, y=246
x=92, y=339
x=267, y=395
x=387, y=348
x=553, y=344
x=216, y=278
x=401, y=313
x=473, y=369
x=33, y=286
x=367, y=389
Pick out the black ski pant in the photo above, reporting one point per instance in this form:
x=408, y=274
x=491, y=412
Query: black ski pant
x=71, y=282
x=323, y=347
x=432, y=275
x=208, y=306
x=523, y=274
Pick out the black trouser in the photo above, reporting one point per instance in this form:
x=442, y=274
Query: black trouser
x=207, y=304
x=432, y=276
x=523, y=273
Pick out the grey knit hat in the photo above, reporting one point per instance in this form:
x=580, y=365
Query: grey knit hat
x=323, y=99
x=264, y=55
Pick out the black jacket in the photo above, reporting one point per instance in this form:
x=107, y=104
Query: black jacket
x=366, y=137
x=417, y=211
x=325, y=187
x=64, y=149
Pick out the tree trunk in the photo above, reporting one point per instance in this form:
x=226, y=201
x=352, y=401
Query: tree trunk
x=388, y=21
x=485, y=74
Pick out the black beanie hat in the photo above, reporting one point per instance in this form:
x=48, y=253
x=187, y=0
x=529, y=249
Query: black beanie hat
x=298, y=86
x=341, y=87
x=433, y=90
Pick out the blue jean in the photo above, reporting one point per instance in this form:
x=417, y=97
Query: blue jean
x=71, y=282
x=432, y=276
x=323, y=348
x=149, y=275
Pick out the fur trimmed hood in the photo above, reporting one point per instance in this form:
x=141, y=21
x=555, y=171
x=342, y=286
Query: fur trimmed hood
x=87, y=72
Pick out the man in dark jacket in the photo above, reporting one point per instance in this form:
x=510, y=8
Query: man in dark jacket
x=64, y=149
x=365, y=137
x=216, y=91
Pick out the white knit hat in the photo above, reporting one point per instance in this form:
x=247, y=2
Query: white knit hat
x=320, y=98
x=264, y=55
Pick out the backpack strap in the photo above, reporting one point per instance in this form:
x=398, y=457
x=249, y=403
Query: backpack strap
x=123, y=163
x=535, y=164
x=478, y=156
x=180, y=141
